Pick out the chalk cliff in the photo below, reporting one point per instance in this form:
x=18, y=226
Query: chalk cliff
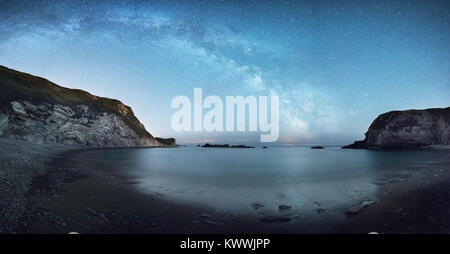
x=37, y=110
x=407, y=129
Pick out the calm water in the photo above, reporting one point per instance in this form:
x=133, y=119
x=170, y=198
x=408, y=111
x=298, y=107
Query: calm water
x=231, y=180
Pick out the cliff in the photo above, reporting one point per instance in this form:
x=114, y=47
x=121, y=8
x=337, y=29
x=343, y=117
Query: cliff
x=37, y=110
x=407, y=129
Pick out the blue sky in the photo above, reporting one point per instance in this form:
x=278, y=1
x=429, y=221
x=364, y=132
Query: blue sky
x=334, y=65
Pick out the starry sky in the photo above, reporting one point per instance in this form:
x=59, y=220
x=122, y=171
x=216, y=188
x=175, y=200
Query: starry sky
x=335, y=65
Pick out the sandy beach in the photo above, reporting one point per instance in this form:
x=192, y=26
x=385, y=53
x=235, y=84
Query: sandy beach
x=45, y=190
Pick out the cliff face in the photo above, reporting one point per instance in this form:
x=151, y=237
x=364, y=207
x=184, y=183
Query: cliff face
x=37, y=110
x=407, y=129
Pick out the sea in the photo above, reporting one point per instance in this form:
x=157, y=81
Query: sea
x=240, y=181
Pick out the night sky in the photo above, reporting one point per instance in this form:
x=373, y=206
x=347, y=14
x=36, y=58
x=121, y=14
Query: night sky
x=336, y=65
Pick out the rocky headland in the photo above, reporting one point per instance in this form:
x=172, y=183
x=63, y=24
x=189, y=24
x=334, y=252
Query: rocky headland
x=37, y=110
x=407, y=129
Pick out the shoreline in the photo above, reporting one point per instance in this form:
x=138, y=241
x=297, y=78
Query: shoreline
x=416, y=205
x=57, y=195
x=419, y=204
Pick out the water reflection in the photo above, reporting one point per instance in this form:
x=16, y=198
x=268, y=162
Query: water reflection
x=230, y=180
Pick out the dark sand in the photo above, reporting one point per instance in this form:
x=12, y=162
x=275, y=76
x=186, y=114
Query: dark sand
x=48, y=192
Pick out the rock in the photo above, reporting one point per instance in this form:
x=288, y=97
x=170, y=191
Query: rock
x=208, y=145
x=167, y=141
x=358, y=208
x=18, y=108
x=317, y=147
x=284, y=207
x=39, y=111
x=276, y=219
x=407, y=129
x=265, y=147
x=356, y=145
x=242, y=146
x=256, y=206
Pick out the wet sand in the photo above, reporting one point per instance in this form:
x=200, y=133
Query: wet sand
x=417, y=205
x=58, y=195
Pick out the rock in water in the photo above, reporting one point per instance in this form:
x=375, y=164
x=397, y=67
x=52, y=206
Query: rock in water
x=208, y=145
x=407, y=129
x=167, y=141
x=242, y=146
x=37, y=110
x=317, y=147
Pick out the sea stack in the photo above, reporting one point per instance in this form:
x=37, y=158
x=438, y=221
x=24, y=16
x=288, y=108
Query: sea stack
x=407, y=129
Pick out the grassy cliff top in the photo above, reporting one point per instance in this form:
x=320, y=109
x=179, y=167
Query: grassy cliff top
x=15, y=85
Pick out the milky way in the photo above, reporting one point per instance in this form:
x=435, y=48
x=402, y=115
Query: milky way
x=335, y=66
